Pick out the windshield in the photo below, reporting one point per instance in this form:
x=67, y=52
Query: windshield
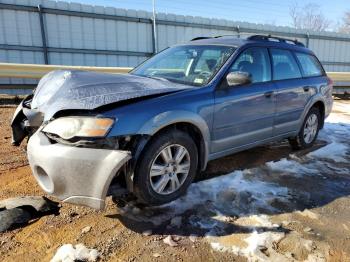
x=193, y=65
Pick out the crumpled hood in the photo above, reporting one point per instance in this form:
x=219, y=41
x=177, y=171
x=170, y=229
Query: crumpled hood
x=66, y=89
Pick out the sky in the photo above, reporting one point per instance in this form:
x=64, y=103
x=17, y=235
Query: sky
x=256, y=11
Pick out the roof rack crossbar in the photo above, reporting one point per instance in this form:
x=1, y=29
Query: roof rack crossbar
x=280, y=39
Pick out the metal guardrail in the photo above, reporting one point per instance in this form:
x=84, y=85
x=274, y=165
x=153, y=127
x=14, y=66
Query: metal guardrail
x=35, y=71
x=339, y=76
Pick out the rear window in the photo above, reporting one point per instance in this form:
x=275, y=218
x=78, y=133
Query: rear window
x=284, y=65
x=309, y=65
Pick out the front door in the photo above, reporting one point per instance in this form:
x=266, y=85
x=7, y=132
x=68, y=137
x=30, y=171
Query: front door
x=244, y=114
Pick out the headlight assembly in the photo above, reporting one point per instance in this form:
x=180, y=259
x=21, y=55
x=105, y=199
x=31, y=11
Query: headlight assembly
x=69, y=127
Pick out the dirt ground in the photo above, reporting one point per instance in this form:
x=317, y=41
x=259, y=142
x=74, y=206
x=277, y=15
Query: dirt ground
x=309, y=220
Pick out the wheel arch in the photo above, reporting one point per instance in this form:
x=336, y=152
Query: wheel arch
x=186, y=121
x=321, y=107
x=194, y=133
x=318, y=102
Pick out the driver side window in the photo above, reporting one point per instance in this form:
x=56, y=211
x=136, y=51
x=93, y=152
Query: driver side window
x=256, y=62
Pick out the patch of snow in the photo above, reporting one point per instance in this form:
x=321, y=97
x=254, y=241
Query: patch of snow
x=334, y=151
x=147, y=232
x=156, y=255
x=232, y=192
x=193, y=238
x=86, y=229
x=170, y=242
x=308, y=244
x=250, y=245
x=338, y=170
x=255, y=243
x=225, y=195
x=336, y=132
x=292, y=166
x=258, y=240
x=219, y=247
x=68, y=253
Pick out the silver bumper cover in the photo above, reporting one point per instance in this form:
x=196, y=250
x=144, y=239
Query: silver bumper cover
x=75, y=175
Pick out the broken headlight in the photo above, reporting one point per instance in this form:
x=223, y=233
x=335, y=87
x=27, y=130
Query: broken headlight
x=69, y=127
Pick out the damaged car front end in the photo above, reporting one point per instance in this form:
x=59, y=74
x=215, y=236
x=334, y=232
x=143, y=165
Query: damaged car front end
x=70, y=149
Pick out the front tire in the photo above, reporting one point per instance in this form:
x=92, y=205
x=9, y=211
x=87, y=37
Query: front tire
x=309, y=130
x=166, y=168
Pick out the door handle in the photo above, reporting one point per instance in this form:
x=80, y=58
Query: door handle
x=306, y=88
x=268, y=94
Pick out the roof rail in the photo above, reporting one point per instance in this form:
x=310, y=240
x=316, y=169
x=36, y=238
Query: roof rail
x=210, y=37
x=280, y=39
x=200, y=38
x=228, y=35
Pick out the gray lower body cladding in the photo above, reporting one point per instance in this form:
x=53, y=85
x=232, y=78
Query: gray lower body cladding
x=75, y=175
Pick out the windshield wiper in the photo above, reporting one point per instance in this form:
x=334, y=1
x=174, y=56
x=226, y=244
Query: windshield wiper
x=157, y=78
x=171, y=80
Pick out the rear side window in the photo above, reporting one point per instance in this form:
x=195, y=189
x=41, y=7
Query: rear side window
x=254, y=61
x=284, y=65
x=309, y=65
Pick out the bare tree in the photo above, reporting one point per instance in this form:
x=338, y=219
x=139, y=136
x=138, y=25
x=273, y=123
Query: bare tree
x=345, y=26
x=309, y=17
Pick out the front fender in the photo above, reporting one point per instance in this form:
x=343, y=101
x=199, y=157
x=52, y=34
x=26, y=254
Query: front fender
x=168, y=118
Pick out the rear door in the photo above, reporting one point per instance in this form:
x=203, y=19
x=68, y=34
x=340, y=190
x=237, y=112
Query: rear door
x=292, y=92
x=244, y=114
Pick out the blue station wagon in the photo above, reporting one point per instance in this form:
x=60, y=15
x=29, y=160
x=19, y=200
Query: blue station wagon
x=154, y=129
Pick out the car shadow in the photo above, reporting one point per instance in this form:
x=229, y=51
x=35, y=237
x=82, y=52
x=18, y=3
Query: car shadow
x=318, y=182
x=253, y=158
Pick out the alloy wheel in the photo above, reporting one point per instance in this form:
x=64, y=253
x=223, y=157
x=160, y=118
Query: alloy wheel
x=310, y=128
x=170, y=169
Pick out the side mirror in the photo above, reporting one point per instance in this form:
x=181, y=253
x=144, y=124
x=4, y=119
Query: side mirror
x=238, y=78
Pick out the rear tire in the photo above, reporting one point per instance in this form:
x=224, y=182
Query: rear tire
x=166, y=168
x=309, y=130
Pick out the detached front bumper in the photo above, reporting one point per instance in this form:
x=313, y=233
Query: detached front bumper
x=75, y=175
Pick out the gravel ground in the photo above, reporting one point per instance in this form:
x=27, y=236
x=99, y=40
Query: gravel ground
x=264, y=204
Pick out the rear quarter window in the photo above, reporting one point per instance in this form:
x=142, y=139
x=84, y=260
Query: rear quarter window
x=309, y=64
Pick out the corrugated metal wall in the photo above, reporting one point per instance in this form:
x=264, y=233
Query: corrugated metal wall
x=77, y=34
